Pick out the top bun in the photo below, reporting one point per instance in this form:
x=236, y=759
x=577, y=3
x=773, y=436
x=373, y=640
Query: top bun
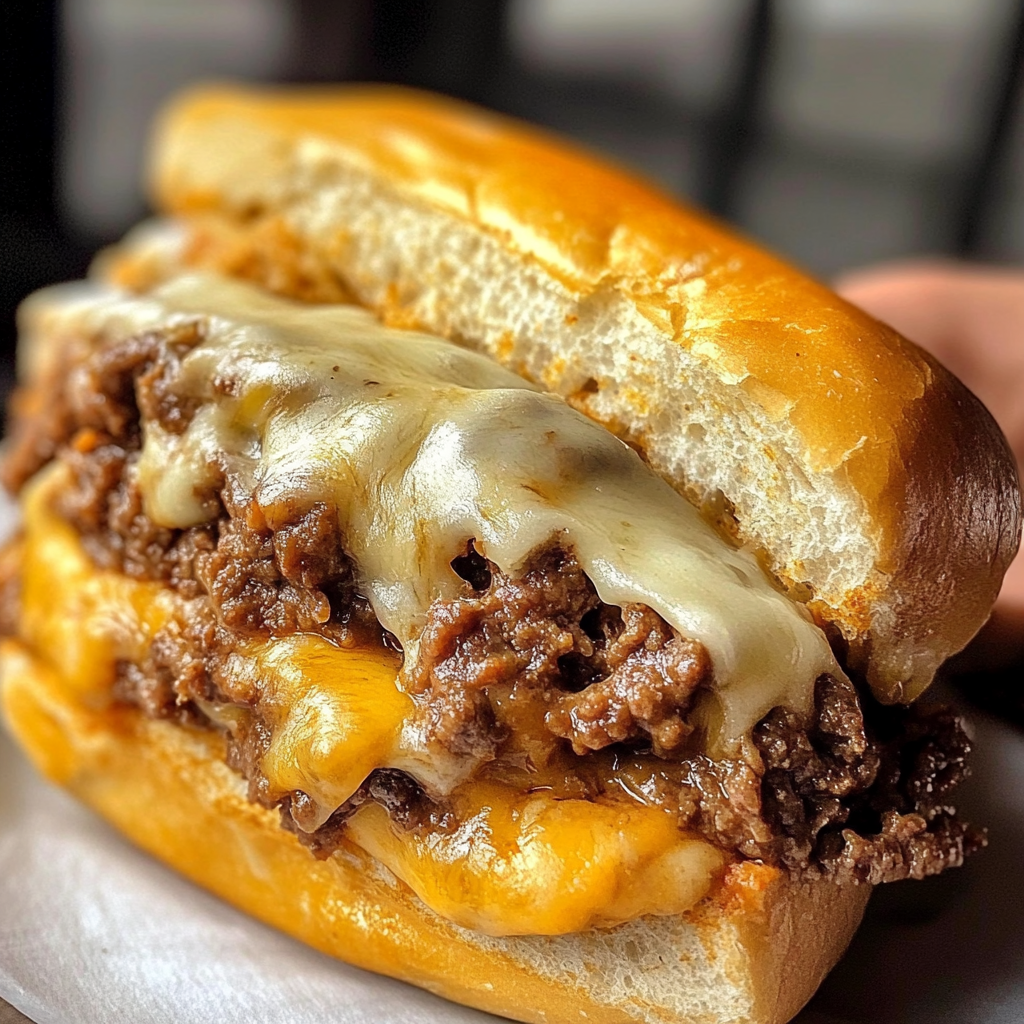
x=873, y=484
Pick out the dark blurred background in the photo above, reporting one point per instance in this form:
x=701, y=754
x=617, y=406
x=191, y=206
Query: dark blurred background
x=839, y=132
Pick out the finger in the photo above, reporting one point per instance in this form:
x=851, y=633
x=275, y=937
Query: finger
x=1001, y=642
x=917, y=299
x=903, y=275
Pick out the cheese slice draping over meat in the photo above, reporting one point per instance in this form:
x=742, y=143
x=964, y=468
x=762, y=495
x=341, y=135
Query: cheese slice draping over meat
x=422, y=446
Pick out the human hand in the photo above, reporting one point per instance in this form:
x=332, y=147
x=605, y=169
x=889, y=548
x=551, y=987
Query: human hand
x=971, y=318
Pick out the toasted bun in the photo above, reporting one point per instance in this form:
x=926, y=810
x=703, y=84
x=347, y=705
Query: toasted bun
x=876, y=487
x=754, y=951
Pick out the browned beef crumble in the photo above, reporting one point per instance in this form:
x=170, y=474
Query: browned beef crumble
x=857, y=791
x=294, y=579
x=863, y=791
x=103, y=392
x=292, y=575
x=851, y=791
x=605, y=675
x=182, y=668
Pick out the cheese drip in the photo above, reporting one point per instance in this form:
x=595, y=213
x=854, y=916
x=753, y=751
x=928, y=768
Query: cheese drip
x=423, y=445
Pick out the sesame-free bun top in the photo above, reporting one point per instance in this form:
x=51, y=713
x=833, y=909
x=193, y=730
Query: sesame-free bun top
x=874, y=485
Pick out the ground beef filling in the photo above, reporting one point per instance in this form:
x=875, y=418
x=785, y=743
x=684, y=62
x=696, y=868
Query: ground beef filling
x=602, y=675
x=851, y=791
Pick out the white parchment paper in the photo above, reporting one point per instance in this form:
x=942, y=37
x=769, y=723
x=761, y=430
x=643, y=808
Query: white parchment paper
x=92, y=930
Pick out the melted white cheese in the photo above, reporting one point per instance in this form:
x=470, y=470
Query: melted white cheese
x=423, y=445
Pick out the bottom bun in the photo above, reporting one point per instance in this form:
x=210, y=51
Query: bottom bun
x=751, y=953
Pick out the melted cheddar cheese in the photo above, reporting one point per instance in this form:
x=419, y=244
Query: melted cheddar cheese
x=516, y=863
x=334, y=716
x=520, y=864
x=81, y=620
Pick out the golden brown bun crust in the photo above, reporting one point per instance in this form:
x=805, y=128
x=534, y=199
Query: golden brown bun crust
x=863, y=407
x=754, y=952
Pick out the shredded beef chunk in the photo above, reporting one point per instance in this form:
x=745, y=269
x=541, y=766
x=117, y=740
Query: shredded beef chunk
x=295, y=578
x=606, y=675
x=863, y=792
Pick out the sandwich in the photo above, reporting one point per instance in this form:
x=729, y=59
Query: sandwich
x=459, y=555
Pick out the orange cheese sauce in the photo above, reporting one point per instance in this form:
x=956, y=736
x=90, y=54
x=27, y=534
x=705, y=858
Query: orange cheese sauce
x=522, y=864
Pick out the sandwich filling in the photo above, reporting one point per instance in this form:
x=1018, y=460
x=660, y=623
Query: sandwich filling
x=441, y=615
